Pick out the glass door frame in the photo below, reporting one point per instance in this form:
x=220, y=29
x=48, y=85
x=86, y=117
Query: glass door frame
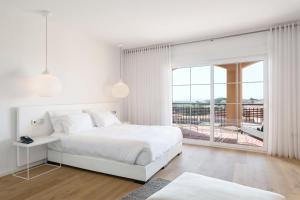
x=211, y=141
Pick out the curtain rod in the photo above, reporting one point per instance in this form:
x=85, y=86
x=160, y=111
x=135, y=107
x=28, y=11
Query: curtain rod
x=216, y=38
x=235, y=35
x=196, y=41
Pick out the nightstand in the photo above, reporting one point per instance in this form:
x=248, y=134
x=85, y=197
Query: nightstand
x=41, y=140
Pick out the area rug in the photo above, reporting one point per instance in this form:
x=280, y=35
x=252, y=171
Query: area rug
x=147, y=190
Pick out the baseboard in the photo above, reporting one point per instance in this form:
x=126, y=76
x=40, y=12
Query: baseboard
x=5, y=173
x=224, y=146
x=9, y=172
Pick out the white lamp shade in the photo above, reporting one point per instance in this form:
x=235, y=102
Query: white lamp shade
x=120, y=90
x=47, y=85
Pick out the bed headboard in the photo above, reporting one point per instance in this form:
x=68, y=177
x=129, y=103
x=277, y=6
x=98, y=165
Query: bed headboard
x=34, y=120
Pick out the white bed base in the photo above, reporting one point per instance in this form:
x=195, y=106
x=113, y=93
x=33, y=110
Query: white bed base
x=136, y=172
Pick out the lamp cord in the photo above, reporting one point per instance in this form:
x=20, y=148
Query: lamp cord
x=46, y=46
x=121, y=57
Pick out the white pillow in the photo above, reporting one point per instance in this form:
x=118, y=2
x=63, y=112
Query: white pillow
x=104, y=118
x=56, y=118
x=75, y=123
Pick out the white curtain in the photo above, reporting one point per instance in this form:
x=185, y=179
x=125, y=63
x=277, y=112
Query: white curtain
x=148, y=73
x=284, y=91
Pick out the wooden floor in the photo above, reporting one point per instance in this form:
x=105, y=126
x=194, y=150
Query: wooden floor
x=251, y=169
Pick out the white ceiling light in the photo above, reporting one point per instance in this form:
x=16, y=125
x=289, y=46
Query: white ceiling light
x=120, y=89
x=47, y=85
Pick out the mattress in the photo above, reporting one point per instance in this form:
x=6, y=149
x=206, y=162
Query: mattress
x=196, y=187
x=132, y=144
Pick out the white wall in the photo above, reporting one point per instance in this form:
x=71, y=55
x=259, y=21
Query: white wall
x=86, y=67
x=220, y=50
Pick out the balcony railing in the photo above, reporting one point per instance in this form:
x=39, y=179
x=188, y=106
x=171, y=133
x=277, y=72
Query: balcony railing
x=195, y=113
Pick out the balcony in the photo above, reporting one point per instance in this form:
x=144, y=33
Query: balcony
x=194, y=120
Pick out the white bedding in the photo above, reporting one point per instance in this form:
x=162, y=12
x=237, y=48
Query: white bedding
x=132, y=144
x=196, y=187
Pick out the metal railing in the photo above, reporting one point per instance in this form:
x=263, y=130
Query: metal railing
x=196, y=113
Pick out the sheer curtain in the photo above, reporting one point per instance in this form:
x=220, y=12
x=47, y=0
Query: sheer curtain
x=148, y=73
x=284, y=91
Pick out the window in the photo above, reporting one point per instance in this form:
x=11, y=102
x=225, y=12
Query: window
x=237, y=102
x=191, y=101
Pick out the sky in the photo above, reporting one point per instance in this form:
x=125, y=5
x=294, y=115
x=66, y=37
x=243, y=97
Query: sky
x=199, y=77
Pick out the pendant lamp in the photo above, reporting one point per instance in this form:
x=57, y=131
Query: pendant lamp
x=120, y=89
x=47, y=85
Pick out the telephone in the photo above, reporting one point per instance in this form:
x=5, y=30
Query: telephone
x=26, y=139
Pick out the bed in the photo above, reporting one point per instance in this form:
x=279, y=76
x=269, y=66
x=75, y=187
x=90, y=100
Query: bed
x=197, y=187
x=131, y=151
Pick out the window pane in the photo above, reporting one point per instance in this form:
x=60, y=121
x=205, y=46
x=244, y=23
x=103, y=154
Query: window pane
x=181, y=93
x=253, y=114
x=200, y=121
x=253, y=72
x=200, y=75
x=253, y=93
x=220, y=114
x=228, y=93
x=181, y=76
x=220, y=75
x=200, y=94
x=220, y=93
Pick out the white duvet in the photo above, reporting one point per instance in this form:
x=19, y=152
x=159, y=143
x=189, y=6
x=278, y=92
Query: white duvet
x=133, y=144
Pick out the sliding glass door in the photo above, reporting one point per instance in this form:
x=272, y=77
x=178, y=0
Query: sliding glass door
x=221, y=104
x=191, y=102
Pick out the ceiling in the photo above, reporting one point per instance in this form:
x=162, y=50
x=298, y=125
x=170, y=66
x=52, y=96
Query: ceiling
x=144, y=22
